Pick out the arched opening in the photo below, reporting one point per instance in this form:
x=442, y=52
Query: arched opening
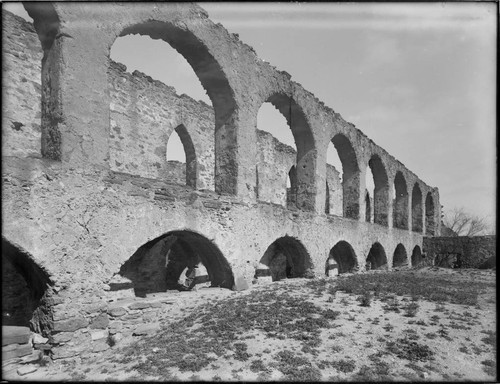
x=376, y=258
x=157, y=265
x=343, y=254
x=429, y=215
x=416, y=256
x=416, y=209
x=276, y=152
x=286, y=258
x=24, y=291
x=380, y=190
x=327, y=199
x=291, y=187
x=181, y=158
x=368, y=208
x=350, y=174
x=400, y=259
x=400, y=205
x=304, y=143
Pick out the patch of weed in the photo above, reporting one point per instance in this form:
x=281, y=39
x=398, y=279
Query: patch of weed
x=410, y=350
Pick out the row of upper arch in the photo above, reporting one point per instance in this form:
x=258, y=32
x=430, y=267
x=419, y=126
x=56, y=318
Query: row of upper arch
x=219, y=60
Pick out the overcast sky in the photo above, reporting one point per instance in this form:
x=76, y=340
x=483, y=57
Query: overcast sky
x=418, y=79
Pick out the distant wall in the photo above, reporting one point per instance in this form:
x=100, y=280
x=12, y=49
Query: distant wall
x=463, y=251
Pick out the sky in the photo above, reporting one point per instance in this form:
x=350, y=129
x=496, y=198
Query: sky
x=419, y=79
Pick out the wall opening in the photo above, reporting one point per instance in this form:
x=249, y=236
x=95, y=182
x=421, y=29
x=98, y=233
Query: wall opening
x=343, y=255
x=350, y=174
x=416, y=256
x=368, y=208
x=276, y=153
x=291, y=187
x=429, y=215
x=287, y=258
x=181, y=158
x=416, y=209
x=304, y=143
x=327, y=199
x=159, y=264
x=400, y=206
x=400, y=258
x=376, y=258
x=25, y=288
x=380, y=194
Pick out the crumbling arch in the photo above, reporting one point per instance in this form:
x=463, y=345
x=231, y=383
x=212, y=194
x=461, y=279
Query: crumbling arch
x=305, y=144
x=25, y=289
x=343, y=254
x=380, y=192
x=416, y=256
x=291, y=190
x=400, y=206
x=190, y=152
x=350, y=176
x=429, y=215
x=416, y=209
x=400, y=258
x=376, y=258
x=157, y=265
x=287, y=258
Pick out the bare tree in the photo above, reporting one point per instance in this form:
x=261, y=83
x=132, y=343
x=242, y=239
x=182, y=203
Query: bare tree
x=463, y=223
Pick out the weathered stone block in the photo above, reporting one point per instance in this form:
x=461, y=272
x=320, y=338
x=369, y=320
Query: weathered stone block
x=100, y=322
x=26, y=370
x=117, y=311
x=18, y=350
x=97, y=335
x=61, y=337
x=140, y=305
x=15, y=335
x=70, y=325
x=240, y=284
x=145, y=329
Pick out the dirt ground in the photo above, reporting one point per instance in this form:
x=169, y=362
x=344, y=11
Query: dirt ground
x=439, y=341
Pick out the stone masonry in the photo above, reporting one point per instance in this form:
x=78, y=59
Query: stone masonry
x=97, y=225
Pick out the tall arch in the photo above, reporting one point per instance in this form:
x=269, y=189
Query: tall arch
x=368, y=208
x=157, y=265
x=350, y=176
x=327, y=199
x=429, y=215
x=344, y=256
x=25, y=287
x=291, y=191
x=306, y=148
x=400, y=207
x=381, y=191
x=287, y=258
x=189, y=150
x=416, y=256
x=416, y=209
x=376, y=258
x=400, y=257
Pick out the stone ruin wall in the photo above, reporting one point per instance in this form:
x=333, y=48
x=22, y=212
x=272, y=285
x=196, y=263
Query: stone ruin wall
x=463, y=251
x=80, y=224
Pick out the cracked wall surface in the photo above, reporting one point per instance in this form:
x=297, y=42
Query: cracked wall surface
x=86, y=182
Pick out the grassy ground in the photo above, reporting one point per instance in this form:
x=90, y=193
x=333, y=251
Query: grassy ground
x=412, y=325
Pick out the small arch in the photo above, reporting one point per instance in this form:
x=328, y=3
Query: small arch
x=157, y=265
x=400, y=258
x=416, y=209
x=429, y=215
x=344, y=256
x=327, y=199
x=291, y=190
x=287, y=258
x=416, y=256
x=380, y=192
x=368, y=209
x=376, y=258
x=350, y=175
x=190, y=152
x=25, y=287
x=400, y=206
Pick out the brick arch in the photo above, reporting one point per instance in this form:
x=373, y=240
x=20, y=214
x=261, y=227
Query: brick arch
x=25, y=289
x=400, y=257
x=416, y=208
x=286, y=258
x=156, y=266
x=343, y=254
x=304, y=143
x=429, y=215
x=381, y=192
x=400, y=205
x=377, y=258
x=350, y=177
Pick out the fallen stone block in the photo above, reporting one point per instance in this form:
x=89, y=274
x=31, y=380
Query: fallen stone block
x=35, y=356
x=144, y=329
x=19, y=351
x=240, y=284
x=39, y=339
x=26, y=369
x=15, y=335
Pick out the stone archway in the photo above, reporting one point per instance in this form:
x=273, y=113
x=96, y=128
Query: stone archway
x=400, y=258
x=376, y=258
x=343, y=254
